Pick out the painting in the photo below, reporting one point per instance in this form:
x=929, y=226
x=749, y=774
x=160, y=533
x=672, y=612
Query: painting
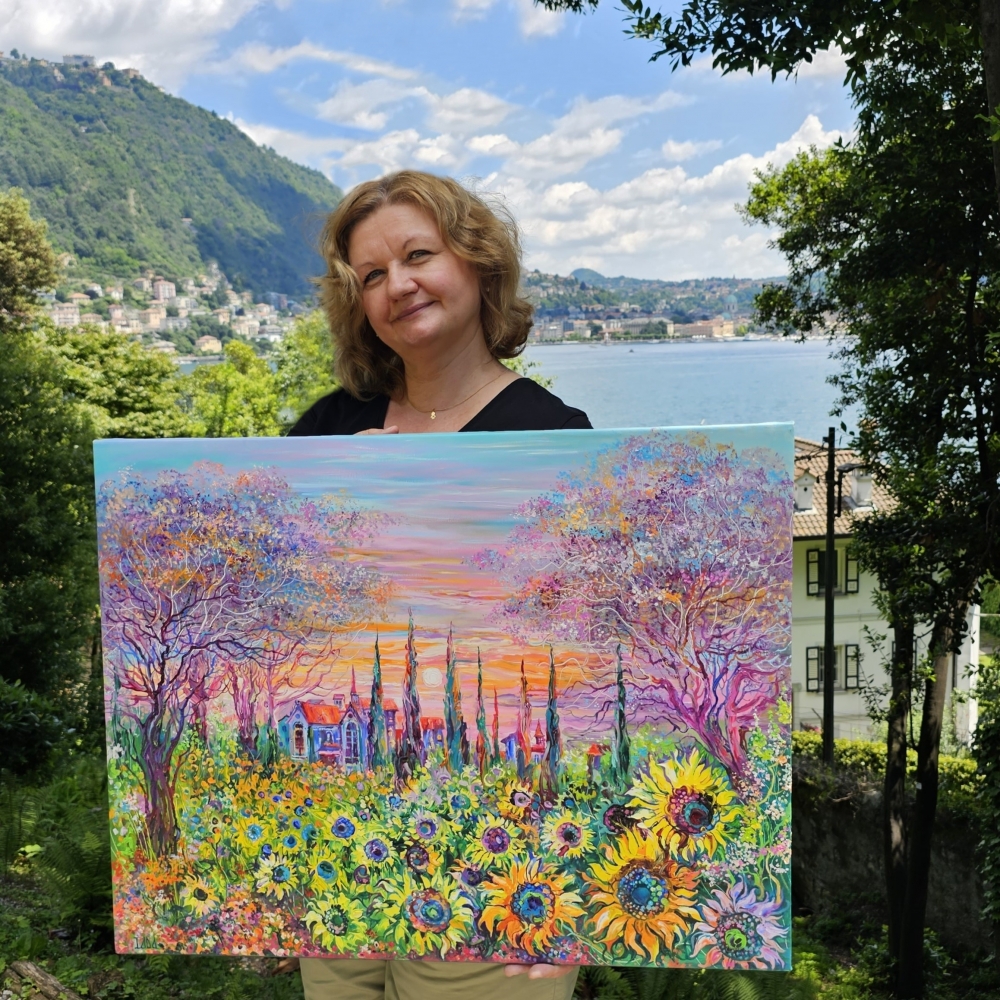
x=510, y=697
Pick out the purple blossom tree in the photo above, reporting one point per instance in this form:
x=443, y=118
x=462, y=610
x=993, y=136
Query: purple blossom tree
x=206, y=572
x=680, y=550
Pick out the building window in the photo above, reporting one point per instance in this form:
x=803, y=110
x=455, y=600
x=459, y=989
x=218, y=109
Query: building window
x=298, y=740
x=852, y=666
x=851, y=575
x=352, y=744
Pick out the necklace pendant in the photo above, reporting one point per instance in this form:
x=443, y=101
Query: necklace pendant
x=433, y=414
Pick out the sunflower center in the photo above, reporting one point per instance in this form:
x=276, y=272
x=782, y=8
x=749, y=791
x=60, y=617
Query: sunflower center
x=692, y=812
x=325, y=870
x=254, y=831
x=569, y=834
x=640, y=892
x=417, y=857
x=428, y=911
x=200, y=894
x=496, y=840
x=737, y=936
x=426, y=828
x=335, y=921
x=281, y=873
x=375, y=850
x=533, y=903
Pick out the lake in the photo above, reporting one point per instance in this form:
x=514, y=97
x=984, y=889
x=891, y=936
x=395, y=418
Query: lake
x=728, y=382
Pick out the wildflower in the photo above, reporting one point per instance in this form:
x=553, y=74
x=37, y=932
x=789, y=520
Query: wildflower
x=337, y=922
x=199, y=895
x=342, y=828
x=529, y=905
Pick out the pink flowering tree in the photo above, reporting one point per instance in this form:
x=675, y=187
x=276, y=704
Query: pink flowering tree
x=680, y=550
x=207, y=575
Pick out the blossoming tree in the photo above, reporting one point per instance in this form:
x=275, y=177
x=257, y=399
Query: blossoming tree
x=680, y=550
x=202, y=571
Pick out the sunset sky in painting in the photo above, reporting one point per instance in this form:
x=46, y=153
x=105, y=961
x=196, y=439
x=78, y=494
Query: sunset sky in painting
x=449, y=496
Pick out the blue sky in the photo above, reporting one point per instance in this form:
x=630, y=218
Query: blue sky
x=607, y=160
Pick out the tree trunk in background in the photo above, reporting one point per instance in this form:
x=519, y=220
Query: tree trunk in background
x=894, y=790
x=911, y=955
x=989, y=26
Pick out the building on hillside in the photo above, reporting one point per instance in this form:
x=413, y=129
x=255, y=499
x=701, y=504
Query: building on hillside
x=863, y=640
x=115, y=292
x=163, y=346
x=93, y=319
x=164, y=290
x=65, y=314
x=333, y=733
x=208, y=344
x=79, y=298
x=175, y=323
x=95, y=291
x=80, y=61
x=222, y=315
x=143, y=285
x=271, y=332
x=153, y=317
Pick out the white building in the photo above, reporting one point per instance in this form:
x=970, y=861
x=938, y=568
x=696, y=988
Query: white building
x=863, y=640
x=65, y=314
x=164, y=290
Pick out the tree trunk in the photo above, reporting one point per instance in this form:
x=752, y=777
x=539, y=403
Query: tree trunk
x=161, y=819
x=894, y=790
x=989, y=27
x=911, y=953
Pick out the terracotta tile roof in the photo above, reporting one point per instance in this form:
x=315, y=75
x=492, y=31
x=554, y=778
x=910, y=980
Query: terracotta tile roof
x=810, y=456
x=321, y=715
x=431, y=722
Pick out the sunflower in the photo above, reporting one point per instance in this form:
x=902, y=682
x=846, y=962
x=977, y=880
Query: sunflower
x=251, y=834
x=274, y=876
x=199, y=895
x=514, y=799
x=325, y=874
x=494, y=841
x=688, y=803
x=740, y=931
x=645, y=898
x=434, y=918
x=337, y=922
x=529, y=905
x=421, y=858
x=565, y=836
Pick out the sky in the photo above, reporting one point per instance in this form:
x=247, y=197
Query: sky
x=607, y=160
x=449, y=496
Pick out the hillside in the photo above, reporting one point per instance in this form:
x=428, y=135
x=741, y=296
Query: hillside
x=129, y=177
x=684, y=301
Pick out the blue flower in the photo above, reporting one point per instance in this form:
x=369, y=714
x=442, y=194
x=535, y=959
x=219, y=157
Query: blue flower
x=326, y=870
x=309, y=802
x=375, y=850
x=255, y=832
x=297, y=823
x=291, y=842
x=266, y=851
x=343, y=828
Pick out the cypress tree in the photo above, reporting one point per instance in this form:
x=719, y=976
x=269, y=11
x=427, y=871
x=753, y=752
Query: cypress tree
x=482, y=738
x=496, y=728
x=620, y=749
x=552, y=763
x=378, y=739
x=455, y=730
x=524, y=730
x=411, y=747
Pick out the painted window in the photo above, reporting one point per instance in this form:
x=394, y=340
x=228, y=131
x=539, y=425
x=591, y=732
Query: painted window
x=298, y=740
x=352, y=744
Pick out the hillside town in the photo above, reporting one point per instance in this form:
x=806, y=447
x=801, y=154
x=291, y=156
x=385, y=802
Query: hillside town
x=194, y=316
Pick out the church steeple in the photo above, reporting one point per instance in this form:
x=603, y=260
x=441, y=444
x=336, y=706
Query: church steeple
x=355, y=700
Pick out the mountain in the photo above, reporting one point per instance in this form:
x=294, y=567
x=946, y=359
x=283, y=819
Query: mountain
x=129, y=177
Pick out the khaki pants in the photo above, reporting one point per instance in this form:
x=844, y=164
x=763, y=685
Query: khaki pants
x=357, y=979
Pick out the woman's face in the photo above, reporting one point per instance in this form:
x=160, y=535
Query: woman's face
x=419, y=296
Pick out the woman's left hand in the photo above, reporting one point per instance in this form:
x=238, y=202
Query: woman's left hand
x=539, y=971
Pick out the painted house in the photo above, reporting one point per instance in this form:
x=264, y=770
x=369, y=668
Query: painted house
x=332, y=733
x=859, y=655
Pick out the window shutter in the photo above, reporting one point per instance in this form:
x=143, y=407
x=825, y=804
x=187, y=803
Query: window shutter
x=813, y=580
x=852, y=665
x=851, y=576
x=814, y=670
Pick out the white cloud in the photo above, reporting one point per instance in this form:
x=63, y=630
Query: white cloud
x=584, y=134
x=537, y=21
x=663, y=222
x=311, y=149
x=827, y=64
x=360, y=104
x=257, y=58
x=165, y=39
x=466, y=110
x=471, y=9
x=677, y=152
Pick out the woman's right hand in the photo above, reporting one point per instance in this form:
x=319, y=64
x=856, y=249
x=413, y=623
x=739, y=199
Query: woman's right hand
x=393, y=429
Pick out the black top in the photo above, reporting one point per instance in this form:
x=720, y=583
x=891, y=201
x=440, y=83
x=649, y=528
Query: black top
x=521, y=406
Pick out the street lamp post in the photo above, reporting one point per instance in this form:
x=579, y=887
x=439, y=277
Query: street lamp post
x=829, y=582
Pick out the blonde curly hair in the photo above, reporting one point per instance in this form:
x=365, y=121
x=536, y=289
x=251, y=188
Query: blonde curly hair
x=486, y=237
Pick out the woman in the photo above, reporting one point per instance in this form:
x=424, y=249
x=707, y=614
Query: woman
x=421, y=293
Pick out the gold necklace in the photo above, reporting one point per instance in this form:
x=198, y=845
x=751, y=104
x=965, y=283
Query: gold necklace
x=454, y=406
